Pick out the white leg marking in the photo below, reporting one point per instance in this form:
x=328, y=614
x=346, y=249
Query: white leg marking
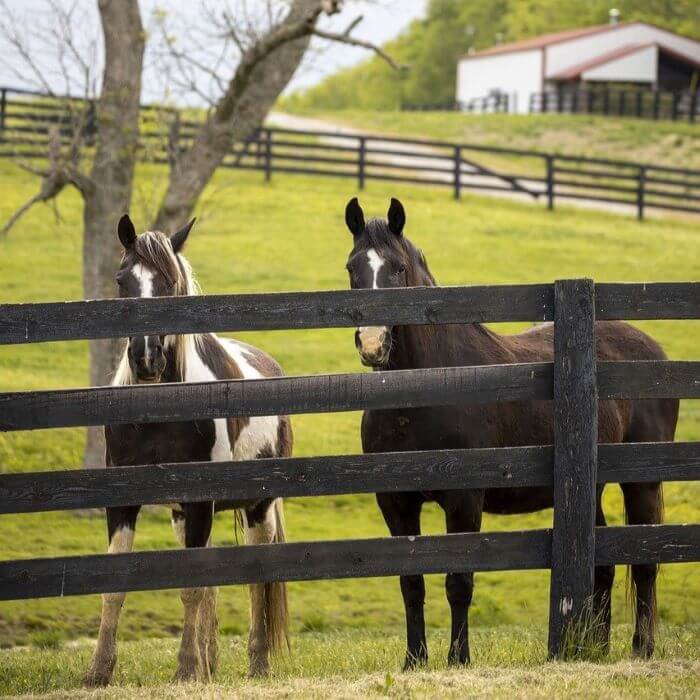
x=122, y=540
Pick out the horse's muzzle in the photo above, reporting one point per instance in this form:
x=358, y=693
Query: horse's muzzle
x=373, y=343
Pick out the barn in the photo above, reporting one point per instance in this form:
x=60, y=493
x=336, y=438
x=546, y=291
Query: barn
x=635, y=54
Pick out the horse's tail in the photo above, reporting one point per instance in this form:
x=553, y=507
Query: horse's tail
x=276, y=608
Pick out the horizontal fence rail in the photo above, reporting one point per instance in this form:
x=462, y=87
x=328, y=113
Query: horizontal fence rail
x=303, y=561
x=280, y=395
x=113, y=318
x=440, y=386
x=26, y=121
x=434, y=470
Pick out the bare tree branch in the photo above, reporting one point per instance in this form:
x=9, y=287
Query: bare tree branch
x=346, y=38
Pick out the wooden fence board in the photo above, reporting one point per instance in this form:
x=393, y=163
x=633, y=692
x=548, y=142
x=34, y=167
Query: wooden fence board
x=298, y=561
x=575, y=457
x=500, y=467
x=648, y=544
x=154, y=403
x=649, y=380
x=108, y=318
x=33, y=323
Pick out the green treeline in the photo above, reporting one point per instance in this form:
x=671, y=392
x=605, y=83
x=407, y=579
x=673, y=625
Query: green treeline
x=431, y=47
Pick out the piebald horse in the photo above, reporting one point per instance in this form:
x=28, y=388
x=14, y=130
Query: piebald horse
x=382, y=257
x=152, y=266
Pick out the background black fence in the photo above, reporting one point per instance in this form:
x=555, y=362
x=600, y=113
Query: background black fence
x=27, y=120
x=572, y=466
x=619, y=101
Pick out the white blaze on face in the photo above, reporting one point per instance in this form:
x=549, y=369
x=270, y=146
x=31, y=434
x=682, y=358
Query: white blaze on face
x=145, y=280
x=372, y=337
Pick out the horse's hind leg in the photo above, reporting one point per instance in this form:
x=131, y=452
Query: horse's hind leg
x=462, y=514
x=401, y=512
x=207, y=621
x=644, y=506
x=198, y=521
x=121, y=524
x=264, y=524
x=604, y=577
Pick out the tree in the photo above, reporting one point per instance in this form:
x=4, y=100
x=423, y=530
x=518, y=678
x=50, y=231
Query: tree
x=259, y=55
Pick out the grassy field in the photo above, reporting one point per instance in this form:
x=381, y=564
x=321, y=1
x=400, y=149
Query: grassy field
x=507, y=663
x=674, y=144
x=290, y=235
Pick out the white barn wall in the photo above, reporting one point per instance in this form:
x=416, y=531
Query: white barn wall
x=576, y=51
x=518, y=73
x=639, y=67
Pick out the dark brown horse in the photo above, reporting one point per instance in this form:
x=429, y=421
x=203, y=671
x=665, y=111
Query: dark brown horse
x=152, y=265
x=383, y=257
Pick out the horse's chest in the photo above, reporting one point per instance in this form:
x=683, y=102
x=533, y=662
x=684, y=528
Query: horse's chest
x=154, y=443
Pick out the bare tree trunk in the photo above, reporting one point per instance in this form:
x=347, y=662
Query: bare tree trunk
x=108, y=194
x=240, y=111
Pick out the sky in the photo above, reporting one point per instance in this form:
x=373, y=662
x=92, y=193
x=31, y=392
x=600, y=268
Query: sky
x=382, y=20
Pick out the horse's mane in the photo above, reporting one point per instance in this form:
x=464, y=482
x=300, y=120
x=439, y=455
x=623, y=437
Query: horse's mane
x=154, y=249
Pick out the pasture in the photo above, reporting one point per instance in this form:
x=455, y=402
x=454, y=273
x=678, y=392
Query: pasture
x=302, y=245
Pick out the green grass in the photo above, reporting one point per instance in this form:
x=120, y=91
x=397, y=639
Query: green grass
x=290, y=235
x=674, y=144
x=506, y=661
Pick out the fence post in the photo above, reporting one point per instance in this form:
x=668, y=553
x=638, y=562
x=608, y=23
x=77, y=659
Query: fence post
x=3, y=109
x=639, y=102
x=575, y=463
x=549, y=160
x=458, y=172
x=657, y=101
x=641, y=181
x=268, y=155
x=361, y=164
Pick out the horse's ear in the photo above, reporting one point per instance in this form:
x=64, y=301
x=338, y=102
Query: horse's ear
x=397, y=217
x=179, y=237
x=126, y=231
x=354, y=217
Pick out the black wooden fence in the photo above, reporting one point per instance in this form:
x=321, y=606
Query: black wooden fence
x=25, y=122
x=619, y=101
x=572, y=466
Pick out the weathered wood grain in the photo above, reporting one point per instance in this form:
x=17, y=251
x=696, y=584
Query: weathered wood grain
x=32, y=323
x=501, y=467
x=298, y=476
x=648, y=544
x=281, y=395
x=655, y=300
x=575, y=457
x=110, y=318
x=299, y=561
x=649, y=380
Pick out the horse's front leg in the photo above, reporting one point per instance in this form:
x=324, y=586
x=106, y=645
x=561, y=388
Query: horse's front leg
x=401, y=512
x=121, y=525
x=462, y=514
x=197, y=524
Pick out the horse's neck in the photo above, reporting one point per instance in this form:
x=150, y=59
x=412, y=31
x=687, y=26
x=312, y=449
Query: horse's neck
x=416, y=347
